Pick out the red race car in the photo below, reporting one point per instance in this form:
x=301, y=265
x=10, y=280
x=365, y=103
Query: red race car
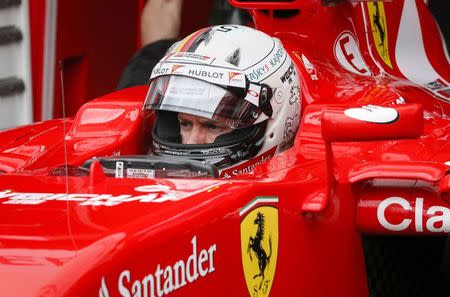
x=358, y=206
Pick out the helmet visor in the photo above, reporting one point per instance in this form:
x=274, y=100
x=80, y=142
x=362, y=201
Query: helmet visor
x=200, y=98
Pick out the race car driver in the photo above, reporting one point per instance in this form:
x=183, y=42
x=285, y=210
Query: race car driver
x=225, y=95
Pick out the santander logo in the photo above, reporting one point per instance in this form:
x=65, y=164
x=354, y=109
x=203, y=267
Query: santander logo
x=437, y=218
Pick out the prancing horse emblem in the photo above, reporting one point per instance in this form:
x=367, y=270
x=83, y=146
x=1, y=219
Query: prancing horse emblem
x=259, y=244
x=254, y=244
x=378, y=23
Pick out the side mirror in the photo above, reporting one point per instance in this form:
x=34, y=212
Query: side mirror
x=368, y=123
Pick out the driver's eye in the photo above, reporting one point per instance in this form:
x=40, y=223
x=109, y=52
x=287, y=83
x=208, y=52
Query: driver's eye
x=185, y=124
x=212, y=126
x=216, y=128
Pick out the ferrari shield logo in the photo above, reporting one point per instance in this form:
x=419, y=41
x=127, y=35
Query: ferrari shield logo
x=259, y=244
x=378, y=24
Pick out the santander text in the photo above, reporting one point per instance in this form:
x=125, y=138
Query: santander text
x=170, y=278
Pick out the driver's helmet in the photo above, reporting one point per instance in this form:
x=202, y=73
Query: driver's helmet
x=236, y=75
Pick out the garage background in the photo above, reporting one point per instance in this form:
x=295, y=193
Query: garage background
x=86, y=42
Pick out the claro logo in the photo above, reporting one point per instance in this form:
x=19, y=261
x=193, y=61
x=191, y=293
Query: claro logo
x=437, y=218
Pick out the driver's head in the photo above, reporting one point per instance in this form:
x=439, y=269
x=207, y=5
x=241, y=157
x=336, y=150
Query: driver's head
x=225, y=95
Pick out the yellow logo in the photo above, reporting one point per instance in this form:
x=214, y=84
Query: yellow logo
x=379, y=30
x=232, y=74
x=176, y=67
x=259, y=245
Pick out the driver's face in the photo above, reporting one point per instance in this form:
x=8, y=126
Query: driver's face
x=198, y=130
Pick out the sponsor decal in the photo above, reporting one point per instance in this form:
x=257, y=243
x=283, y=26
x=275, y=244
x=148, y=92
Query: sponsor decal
x=377, y=18
x=175, y=153
x=189, y=57
x=231, y=75
x=215, y=151
x=140, y=173
x=348, y=55
x=277, y=59
x=215, y=75
x=205, y=74
x=266, y=67
x=160, y=70
x=249, y=165
x=103, y=292
x=440, y=88
x=437, y=217
x=253, y=94
x=258, y=72
x=259, y=244
x=287, y=76
x=436, y=85
x=373, y=114
x=411, y=54
x=308, y=66
x=10, y=197
x=119, y=170
x=175, y=68
x=167, y=279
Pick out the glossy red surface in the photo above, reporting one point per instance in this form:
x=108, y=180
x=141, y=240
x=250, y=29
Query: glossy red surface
x=337, y=126
x=101, y=236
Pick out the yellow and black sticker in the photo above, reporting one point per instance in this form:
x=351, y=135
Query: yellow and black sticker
x=259, y=246
x=378, y=24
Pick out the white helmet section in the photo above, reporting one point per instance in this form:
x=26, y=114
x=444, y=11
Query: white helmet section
x=221, y=43
x=242, y=57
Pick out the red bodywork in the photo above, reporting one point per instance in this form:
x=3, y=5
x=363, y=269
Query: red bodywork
x=343, y=179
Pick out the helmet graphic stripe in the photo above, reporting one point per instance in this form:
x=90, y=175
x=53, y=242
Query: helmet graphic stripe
x=186, y=43
x=202, y=37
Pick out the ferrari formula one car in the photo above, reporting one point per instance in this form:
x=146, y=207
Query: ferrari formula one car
x=358, y=206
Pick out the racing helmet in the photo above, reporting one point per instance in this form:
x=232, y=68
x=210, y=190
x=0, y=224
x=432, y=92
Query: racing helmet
x=233, y=74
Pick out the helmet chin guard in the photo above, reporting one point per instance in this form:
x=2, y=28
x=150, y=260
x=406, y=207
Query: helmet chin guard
x=226, y=150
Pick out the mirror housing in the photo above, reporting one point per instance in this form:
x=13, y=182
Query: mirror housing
x=369, y=123
x=366, y=123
